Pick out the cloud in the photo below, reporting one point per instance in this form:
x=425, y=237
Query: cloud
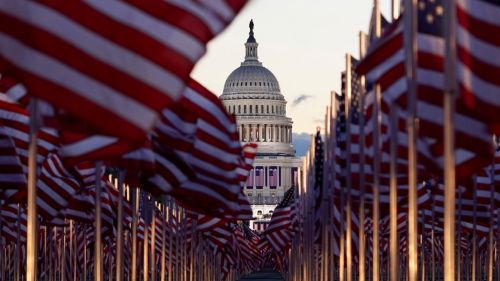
x=300, y=99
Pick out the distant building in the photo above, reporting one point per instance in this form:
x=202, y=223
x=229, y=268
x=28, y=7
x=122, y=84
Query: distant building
x=252, y=93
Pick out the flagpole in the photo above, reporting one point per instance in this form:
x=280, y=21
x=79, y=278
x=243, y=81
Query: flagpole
x=333, y=145
x=31, y=231
x=395, y=9
x=153, y=240
x=18, y=245
x=411, y=59
x=119, y=229
x=361, y=211
x=163, y=241
x=393, y=194
x=98, y=274
x=145, y=255
x=170, y=239
x=474, y=229
x=449, y=142
x=376, y=161
x=492, y=221
x=135, y=205
x=348, y=232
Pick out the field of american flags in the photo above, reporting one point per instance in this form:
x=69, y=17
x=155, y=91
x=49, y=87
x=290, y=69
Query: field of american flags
x=115, y=164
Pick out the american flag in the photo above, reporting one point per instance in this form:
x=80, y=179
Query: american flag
x=273, y=176
x=99, y=65
x=260, y=177
x=478, y=54
x=279, y=233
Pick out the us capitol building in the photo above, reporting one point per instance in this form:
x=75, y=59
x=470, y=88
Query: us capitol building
x=252, y=93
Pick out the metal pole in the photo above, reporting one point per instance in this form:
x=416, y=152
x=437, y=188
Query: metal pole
x=119, y=229
x=395, y=9
x=31, y=240
x=153, y=244
x=376, y=161
x=18, y=245
x=170, y=240
x=163, y=242
x=474, y=229
x=449, y=143
x=98, y=272
x=85, y=277
x=145, y=253
x=361, y=211
x=492, y=221
x=393, y=200
x=348, y=176
x=433, y=242
x=135, y=205
x=411, y=59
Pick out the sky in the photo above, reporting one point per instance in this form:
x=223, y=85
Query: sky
x=303, y=42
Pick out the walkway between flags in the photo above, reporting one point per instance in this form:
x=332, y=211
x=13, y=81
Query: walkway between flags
x=266, y=274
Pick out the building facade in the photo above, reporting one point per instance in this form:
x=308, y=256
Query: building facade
x=252, y=93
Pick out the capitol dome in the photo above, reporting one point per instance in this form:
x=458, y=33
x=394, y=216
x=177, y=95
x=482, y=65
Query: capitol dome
x=251, y=79
x=252, y=93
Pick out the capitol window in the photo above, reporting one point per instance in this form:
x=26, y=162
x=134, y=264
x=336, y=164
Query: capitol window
x=261, y=109
x=259, y=213
x=234, y=108
x=245, y=108
x=239, y=108
x=250, y=108
x=256, y=109
x=268, y=109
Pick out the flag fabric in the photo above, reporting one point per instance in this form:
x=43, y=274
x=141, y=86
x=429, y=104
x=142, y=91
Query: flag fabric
x=95, y=73
x=273, y=176
x=385, y=65
x=250, y=179
x=478, y=53
x=279, y=232
x=260, y=177
x=198, y=155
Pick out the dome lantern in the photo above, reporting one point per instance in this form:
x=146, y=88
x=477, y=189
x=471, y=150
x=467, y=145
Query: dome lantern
x=251, y=48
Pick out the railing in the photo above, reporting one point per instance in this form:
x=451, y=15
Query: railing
x=263, y=200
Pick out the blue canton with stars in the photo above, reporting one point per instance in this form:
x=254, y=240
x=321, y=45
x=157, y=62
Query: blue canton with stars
x=430, y=17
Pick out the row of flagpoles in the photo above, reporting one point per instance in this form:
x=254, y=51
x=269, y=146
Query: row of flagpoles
x=406, y=184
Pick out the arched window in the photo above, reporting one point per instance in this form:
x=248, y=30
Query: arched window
x=259, y=213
